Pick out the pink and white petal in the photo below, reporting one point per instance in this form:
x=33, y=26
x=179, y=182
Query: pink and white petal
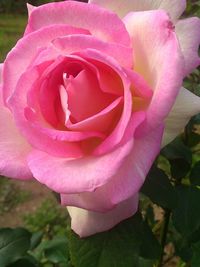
x=80, y=15
x=116, y=135
x=78, y=42
x=188, y=31
x=85, y=97
x=187, y=105
x=126, y=182
x=30, y=8
x=158, y=59
x=101, y=121
x=76, y=175
x=86, y=223
x=23, y=54
x=122, y=7
x=35, y=128
x=13, y=147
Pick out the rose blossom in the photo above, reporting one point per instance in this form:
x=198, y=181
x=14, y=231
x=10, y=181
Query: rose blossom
x=85, y=96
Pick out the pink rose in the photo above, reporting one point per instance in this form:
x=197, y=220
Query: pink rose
x=85, y=96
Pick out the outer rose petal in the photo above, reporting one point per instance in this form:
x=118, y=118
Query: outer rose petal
x=126, y=182
x=158, y=59
x=187, y=104
x=174, y=7
x=13, y=147
x=21, y=57
x=73, y=176
x=86, y=223
x=188, y=31
x=80, y=15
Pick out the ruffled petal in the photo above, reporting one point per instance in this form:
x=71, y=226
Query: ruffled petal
x=21, y=57
x=77, y=175
x=88, y=17
x=158, y=58
x=187, y=105
x=173, y=7
x=86, y=223
x=125, y=182
x=188, y=31
x=13, y=147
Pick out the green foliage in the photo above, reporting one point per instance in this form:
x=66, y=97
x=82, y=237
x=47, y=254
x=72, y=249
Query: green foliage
x=21, y=248
x=10, y=195
x=49, y=218
x=159, y=189
x=186, y=215
x=13, y=245
x=179, y=157
x=128, y=244
x=11, y=29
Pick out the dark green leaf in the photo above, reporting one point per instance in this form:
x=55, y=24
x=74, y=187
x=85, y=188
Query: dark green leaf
x=184, y=251
x=118, y=247
x=179, y=156
x=177, y=150
x=196, y=255
x=150, y=248
x=144, y=263
x=186, y=215
x=23, y=263
x=179, y=168
x=191, y=135
x=159, y=189
x=56, y=250
x=36, y=239
x=14, y=243
x=195, y=174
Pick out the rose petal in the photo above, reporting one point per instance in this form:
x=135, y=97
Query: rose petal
x=85, y=97
x=35, y=129
x=73, y=176
x=125, y=182
x=117, y=134
x=30, y=8
x=188, y=31
x=101, y=121
x=86, y=223
x=13, y=147
x=187, y=104
x=87, y=17
x=174, y=7
x=19, y=59
x=158, y=59
x=78, y=42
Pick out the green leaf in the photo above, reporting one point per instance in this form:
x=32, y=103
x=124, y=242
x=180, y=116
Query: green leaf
x=186, y=215
x=179, y=168
x=195, y=174
x=23, y=263
x=56, y=250
x=191, y=135
x=159, y=189
x=14, y=243
x=196, y=255
x=179, y=156
x=150, y=247
x=118, y=247
x=144, y=263
x=177, y=150
x=36, y=239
